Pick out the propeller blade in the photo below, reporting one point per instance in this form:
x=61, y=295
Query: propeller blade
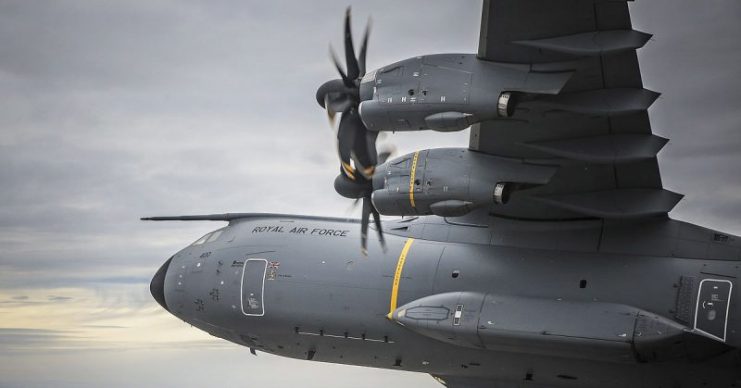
x=337, y=102
x=367, y=208
x=353, y=72
x=365, y=150
x=330, y=110
x=364, y=49
x=346, y=135
x=354, y=205
x=387, y=151
x=377, y=221
x=347, y=81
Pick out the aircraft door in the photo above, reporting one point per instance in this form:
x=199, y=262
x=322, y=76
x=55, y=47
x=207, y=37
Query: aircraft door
x=253, y=287
x=713, y=305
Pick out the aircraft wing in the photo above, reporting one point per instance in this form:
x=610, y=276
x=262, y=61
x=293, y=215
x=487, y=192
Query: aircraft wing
x=596, y=130
x=467, y=382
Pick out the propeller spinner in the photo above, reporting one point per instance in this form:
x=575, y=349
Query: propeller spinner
x=356, y=145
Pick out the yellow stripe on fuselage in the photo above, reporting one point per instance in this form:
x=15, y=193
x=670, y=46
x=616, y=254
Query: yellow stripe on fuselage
x=411, y=178
x=397, y=276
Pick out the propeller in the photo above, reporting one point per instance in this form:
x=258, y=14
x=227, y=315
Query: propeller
x=356, y=145
x=361, y=188
x=387, y=151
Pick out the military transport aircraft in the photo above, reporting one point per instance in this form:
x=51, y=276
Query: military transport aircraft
x=540, y=256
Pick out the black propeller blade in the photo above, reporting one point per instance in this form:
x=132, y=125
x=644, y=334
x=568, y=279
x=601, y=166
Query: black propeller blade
x=364, y=49
x=353, y=71
x=346, y=135
x=377, y=221
x=345, y=78
x=361, y=189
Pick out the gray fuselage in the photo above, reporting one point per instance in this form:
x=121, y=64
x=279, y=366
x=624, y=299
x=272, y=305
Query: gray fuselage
x=299, y=287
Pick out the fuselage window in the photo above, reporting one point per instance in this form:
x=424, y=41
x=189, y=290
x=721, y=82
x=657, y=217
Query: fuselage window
x=209, y=237
x=202, y=239
x=215, y=235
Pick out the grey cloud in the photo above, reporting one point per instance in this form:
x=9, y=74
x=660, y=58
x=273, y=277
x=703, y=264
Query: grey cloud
x=43, y=341
x=21, y=339
x=693, y=60
x=57, y=298
x=19, y=332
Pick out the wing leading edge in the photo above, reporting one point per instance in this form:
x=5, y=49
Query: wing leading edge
x=596, y=130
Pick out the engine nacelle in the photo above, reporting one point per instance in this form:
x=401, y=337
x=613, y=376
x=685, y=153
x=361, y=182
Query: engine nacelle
x=449, y=92
x=450, y=182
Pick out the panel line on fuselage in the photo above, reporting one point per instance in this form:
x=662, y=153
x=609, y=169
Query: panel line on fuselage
x=397, y=276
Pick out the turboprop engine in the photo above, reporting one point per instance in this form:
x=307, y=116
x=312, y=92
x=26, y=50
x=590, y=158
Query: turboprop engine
x=451, y=182
x=449, y=92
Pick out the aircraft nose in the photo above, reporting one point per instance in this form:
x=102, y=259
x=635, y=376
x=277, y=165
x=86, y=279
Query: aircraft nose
x=157, y=286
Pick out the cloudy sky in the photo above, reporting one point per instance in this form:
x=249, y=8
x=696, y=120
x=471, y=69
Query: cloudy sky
x=112, y=110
